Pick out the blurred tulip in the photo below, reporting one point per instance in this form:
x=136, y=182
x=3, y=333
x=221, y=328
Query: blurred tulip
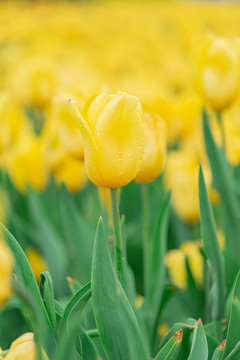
x=71, y=172
x=27, y=165
x=62, y=128
x=195, y=260
x=36, y=261
x=39, y=78
x=24, y=348
x=217, y=71
x=113, y=133
x=175, y=261
x=155, y=149
x=6, y=267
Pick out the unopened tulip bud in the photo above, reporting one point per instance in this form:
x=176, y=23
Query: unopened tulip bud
x=155, y=149
x=24, y=348
x=216, y=71
x=113, y=134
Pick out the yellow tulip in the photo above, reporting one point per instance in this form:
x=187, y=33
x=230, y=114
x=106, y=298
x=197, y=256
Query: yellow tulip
x=195, y=260
x=175, y=263
x=181, y=177
x=216, y=72
x=155, y=149
x=113, y=134
x=27, y=165
x=36, y=261
x=71, y=172
x=24, y=348
x=6, y=267
x=61, y=129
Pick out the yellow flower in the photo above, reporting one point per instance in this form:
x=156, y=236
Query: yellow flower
x=175, y=263
x=6, y=266
x=181, y=177
x=61, y=129
x=195, y=260
x=24, y=348
x=113, y=134
x=36, y=261
x=216, y=72
x=27, y=164
x=155, y=149
x=71, y=172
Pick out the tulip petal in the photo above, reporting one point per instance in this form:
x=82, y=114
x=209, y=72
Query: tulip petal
x=90, y=147
x=119, y=135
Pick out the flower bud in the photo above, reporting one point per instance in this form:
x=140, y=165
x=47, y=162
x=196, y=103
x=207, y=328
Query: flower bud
x=113, y=134
x=216, y=72
x=24, y=348
x=155, y=149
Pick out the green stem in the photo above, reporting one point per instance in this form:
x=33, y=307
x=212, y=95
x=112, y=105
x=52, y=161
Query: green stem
x=93, y=333
x=145, y=237
x=220, y=122
x=119, y=263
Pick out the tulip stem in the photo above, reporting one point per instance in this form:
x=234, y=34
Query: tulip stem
x=145, y=237
x=220, y=122
x=119, y=258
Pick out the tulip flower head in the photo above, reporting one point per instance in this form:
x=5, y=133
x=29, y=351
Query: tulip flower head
x=24, y=348
x=113, y=135
x=155, y=149
x=216, y=72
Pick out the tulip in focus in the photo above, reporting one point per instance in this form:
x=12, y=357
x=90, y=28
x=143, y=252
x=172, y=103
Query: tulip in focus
x=155, y=149
x=24, y=348
x=6, y=267
x=216, y=71
x=113, y=134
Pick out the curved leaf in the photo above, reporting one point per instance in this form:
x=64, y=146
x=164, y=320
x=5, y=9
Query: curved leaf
x=118, y=328
x=199, y=348
x=212, y=250
x=26, y=277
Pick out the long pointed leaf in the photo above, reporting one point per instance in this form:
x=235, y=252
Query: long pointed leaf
x=118, y=328
x=212, y=250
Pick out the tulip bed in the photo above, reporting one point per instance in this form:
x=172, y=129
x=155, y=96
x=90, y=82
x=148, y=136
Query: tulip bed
x=119, y=181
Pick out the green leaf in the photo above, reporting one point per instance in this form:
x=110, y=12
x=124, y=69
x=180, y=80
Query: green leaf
x=212, y=250
x=223, y=181
x=234, y=320
x=152, y=304
x=49, y=241
x=234, y=354
x=118, y=328
x=26, y=277
x=78, y=235
x=89, y=351
x=199, y=348
x=218, y=353
x=75, y=306
x=171, y=349
x=47, y=292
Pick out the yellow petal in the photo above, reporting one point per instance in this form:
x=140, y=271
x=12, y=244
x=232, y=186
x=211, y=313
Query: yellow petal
x=90, y=147
x=119, y=135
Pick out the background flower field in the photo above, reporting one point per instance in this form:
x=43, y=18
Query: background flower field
x=181, y=300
